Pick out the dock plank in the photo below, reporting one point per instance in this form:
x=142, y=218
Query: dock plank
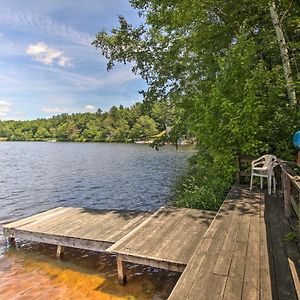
x=182, y=246
x=251, y=284
x=62, y=220
x=267, y=271
x=68, y=224
x=190, y=273
x=40, y=216
x=158, y=239
x=152, y=248
x=224, y=257
x=145, y=241
x=242, y=254
x=234, y=286
x=77, y=227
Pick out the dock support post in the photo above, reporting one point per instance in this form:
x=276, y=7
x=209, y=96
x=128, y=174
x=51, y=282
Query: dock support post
x=59, y=251
x=121, y=270
x=12, y=241
x=10, y=237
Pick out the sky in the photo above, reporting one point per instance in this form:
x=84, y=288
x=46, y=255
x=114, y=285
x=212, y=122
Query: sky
x=47, y=63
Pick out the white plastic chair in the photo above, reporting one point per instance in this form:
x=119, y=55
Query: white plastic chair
x=263, y=168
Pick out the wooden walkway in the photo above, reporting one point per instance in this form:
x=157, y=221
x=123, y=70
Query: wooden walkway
x=242, y=255
x=238, y=253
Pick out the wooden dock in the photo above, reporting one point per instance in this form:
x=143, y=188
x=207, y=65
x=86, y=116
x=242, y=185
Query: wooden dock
x=238, y=253
x=166, y=240
x=81, y=228
x=243, y=254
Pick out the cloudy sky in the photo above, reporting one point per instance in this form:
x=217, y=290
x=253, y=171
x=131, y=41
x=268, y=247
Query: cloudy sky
x=47, y=65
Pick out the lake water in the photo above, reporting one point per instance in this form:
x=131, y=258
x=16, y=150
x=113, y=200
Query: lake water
x=38, y=176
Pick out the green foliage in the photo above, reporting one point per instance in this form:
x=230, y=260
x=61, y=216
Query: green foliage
x=143, y=129
x=291, y=237
x=192, y=192
x=219, y=64
x=119, y=124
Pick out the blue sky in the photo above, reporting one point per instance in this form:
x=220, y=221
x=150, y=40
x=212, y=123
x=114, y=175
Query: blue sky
x=47, y=65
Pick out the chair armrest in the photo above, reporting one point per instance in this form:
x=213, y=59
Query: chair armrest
x=258, y=161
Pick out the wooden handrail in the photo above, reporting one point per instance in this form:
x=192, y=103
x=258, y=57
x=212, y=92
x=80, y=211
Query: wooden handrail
x=289, y=182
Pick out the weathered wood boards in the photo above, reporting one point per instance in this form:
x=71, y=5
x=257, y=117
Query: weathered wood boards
x=165, y=240
x=76, y=227
x=241, y=256
x=238, y=253
x=286, y=256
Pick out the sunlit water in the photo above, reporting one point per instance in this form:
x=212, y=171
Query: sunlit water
x=38, y=176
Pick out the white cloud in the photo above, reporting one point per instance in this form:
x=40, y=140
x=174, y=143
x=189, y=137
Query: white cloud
x=90, y=108
x=20, y=113
x=42, y=53
x=51, y=110
x=5, y=107
x=44, y=24
x=64, y=61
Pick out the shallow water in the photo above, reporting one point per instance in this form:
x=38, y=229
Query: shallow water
x=39, y=176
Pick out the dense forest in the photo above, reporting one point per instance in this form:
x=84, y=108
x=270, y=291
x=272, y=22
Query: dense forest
x=232, y=67
x=120, y=124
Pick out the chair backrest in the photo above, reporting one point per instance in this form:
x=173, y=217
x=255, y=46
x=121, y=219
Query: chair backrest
x=269, y=161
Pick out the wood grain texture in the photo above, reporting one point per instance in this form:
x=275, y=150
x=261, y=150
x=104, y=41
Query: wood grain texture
x=242, y=254
x=238, y=253
x=81, y=228
x=170, y=236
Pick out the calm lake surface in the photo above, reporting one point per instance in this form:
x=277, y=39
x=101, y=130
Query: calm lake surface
x=38, y=176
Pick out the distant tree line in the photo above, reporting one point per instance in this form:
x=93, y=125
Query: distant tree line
x=120, y=124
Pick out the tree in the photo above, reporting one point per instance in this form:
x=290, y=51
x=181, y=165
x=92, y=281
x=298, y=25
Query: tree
x=114, y=113
x=42, y=133
x=121, y=132
x=99, y=112
x=143, y=129
x=284, y=54
x=218, y=63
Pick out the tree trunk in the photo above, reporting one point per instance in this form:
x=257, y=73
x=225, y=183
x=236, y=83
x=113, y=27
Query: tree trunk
x=284, y=54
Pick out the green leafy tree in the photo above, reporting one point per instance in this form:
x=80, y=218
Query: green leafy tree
x=121, y=132
x=219, y=64
x=143, y=129
x=41, y=134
